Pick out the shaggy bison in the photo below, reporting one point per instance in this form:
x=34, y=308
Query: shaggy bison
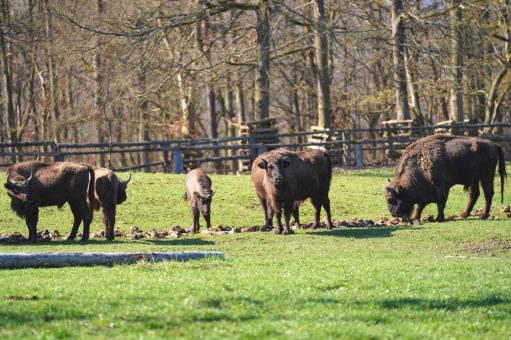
x=198, y=192
x=430, y=166
x=109, y=191
x=34, y=184
x=290, y=177
x=257, y=174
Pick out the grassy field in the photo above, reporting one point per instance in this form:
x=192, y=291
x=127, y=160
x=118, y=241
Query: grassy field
x=383, y=282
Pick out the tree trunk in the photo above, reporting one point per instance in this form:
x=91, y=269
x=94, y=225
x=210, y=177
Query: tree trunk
x=52, y=76
x=99, y=95
x=143, y=117
x=412, y=88
x=456, y=100
x=262, y=82
x=7, y=77
x=398, y=37
x=323, y=78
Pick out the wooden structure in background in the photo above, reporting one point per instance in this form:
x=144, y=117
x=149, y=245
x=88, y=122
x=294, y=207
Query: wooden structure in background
x=262, y=132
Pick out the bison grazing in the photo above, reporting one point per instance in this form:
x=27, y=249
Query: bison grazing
x=430, y=166
x=198, y=192
x=290, y=177
x=109, y=191
x=33, y=184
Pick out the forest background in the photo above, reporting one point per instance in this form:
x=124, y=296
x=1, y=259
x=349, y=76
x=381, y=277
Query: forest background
x=107, y=71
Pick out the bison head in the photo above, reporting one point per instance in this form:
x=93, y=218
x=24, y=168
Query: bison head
x=275, y=170
x=204, y=202
x=397, y=201
x=121, y=190
x=18, y=189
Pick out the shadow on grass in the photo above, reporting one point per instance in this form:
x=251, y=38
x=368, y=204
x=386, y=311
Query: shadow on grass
x=449, y=304
x=163, y=242
x=358, y=232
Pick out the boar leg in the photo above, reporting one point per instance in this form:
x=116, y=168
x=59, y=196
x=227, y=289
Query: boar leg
x=196, y=225
x=487, y=185
x=77, y=220
x=473, y=194
x=31, y=219
x=326, y=206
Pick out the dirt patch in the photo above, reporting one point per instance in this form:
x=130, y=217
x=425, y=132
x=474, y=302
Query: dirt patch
x=488, y=248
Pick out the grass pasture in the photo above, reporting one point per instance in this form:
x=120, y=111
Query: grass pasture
x=382, y=282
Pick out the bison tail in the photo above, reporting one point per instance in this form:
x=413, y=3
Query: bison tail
x=329, y=165
x=502, y=172
x=90, y=190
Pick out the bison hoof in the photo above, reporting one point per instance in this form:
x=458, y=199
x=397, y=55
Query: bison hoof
x=440, y=219
x=464, y=215
x=287, y=232
x=278, y=231
x=484, y=217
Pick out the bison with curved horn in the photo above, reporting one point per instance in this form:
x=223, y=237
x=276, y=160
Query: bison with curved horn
x=109, y=192
x=33, y=184
x=430, y=166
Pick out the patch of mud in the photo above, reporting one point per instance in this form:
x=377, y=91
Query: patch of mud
x=488, y=248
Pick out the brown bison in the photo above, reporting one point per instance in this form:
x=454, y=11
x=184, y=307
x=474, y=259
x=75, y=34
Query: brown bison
x=109, y=191
x=199, y=193
x=257, y=174
x=34, y=184
x=430, y=166
x=290, y=177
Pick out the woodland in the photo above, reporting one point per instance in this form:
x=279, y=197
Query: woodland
x=124, y=70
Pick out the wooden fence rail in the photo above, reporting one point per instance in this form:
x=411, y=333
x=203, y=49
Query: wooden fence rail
x=353, y=147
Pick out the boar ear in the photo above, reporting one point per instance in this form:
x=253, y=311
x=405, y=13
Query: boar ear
x=285, y=163
x=262, y=164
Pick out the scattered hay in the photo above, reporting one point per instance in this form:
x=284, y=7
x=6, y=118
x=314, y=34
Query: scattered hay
x=489, y=248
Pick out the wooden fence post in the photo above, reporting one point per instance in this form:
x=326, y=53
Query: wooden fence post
x=57, y=156
x=262, y=149
x=166, y=161
x=359, y=156
x=177, y=155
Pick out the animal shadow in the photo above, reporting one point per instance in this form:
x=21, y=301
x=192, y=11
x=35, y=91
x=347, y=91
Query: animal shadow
x=370, y=232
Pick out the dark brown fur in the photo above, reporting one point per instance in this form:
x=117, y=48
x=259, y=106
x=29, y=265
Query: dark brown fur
x=430, y=166
x=109, y=191
x=200, y=195
x=290, y=177
x=51, y=184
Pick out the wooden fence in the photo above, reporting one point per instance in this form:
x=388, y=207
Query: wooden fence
x=355, y=147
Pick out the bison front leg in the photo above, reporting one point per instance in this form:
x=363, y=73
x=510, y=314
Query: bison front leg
x=195, y=216
x=418, y=212
x=267, y=211
x=296, y=215
x=31, y=219
x=288, y=208
x=316, y=203
x=109, y=222
x=207, y=218
x=278, y=215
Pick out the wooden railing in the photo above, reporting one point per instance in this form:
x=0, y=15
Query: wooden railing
x=354, y=147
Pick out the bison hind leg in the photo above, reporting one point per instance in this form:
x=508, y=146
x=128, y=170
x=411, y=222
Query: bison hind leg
x=487, y=185
x=473, y=195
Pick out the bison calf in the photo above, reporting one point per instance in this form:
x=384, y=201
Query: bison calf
x=430, y=166
x=198, y=192
x=109, y=191
x=291, y=177
x=32, y=185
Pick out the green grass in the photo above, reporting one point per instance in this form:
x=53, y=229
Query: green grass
x=384, y=282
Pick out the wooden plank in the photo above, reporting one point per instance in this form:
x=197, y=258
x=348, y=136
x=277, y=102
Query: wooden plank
x=24, y=260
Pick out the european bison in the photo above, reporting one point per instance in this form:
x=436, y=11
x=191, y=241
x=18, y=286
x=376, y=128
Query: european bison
x=109, y=191
x=199, y=193
x=290, y=177
x=257, y=174
x=34, y=184
x=430, y=166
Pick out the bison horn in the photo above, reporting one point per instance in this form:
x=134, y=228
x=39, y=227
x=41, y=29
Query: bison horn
x=127, y=181
x=20, y=184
